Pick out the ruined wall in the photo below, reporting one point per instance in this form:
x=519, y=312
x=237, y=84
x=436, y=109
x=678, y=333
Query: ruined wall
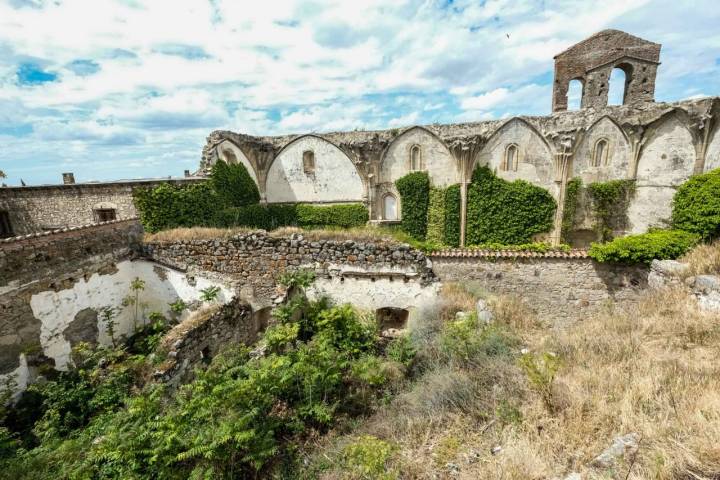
x=435, y=158
x=615, y=160
x=231, y=154
x=39, y=208
x=334, y=178
x=255, y=261
x=559, y=288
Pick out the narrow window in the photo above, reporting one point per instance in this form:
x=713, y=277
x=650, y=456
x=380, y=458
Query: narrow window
x=575, y=93
x=5, y=227
x=389, y=207
x=511, y=157
x=600, y=153
x=105, y=214
x=309, y=162
x=415, y=158
x=619, y=79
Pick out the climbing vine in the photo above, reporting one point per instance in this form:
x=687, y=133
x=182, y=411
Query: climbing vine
x=572, y=190
x=696, y=205
x=610, y=201
x=452, y=216
x=414, y=191
x=505, y=212
x=436, y=216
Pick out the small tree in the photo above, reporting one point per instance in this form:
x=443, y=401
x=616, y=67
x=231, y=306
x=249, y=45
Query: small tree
x=136, y=286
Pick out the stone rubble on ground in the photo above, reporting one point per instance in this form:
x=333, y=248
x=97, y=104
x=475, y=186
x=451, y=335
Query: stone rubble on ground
x=623, y=447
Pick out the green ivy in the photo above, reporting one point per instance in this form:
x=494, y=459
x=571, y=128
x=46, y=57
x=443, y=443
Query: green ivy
x=644, y=248
x=452, y=216
x=572, y=190
x=270, y=217
x=696, y=206
x=414, y=191
x=540, y=247
x=505, y=212
x=610, y=201
x=436, y=216
x=234, y=185
x=170, y=206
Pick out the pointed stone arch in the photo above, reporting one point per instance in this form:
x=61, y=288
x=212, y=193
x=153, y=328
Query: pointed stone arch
x=335, y=177
x=616, y=158
x=534, y=155
x=436, y=157
x=712, y=153
x=230, y=153
x=666, y=161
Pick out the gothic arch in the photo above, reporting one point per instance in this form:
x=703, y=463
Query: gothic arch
x=230, y=152
x=437, y=159
x=535, y=156
x=617, y=157
x=335, y=178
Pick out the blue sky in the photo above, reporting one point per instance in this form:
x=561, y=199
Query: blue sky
x=112, y=89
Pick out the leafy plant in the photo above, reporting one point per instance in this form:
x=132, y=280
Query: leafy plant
x=137, y=285
x=301, y=279
x=436, y=216
x=414, y=189
x=170, y=206
x=696, y=205
x=644, y=248
x=610, y=201
x=344, y=216
x=401, y=350
x=233, y=184
x=107, y=317
x=209, y=294
x=572, y=191
x=178, y=306
x=505, y=212
x=270, y=217
x=452, y=216
x=367, y=459
x=541, y=371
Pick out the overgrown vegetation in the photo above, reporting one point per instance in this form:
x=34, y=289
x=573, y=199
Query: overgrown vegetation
x=644, y=248
x=696, y=205
x=610, y=201
x=572, y=192
x=436, y=216
x=414, y=189
x=452, y=216
x=170, y=206
x=233, y=185
x=503, y=212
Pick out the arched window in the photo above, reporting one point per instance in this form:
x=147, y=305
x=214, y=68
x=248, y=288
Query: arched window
x=389, y=207
x=510, y=162
x=415, y=158
x=309, y=162
x=575, y=93
x=617, y=92
x=600, y=153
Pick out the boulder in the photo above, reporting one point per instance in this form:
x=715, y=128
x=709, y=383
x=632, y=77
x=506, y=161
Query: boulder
x=484, y=314
x=623, y=448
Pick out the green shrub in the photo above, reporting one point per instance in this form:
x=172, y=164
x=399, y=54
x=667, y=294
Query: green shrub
x=367, y=459
x=644, y=248
x=345, y=216
x=505, y=212
x=541, y=371
x=452, y=216
x=234, y=185
x=414, y=189
x=572, y=190
x=436, y=216
x=610, y=201
x=540, y=247
x=169, y=206
x=696, y=206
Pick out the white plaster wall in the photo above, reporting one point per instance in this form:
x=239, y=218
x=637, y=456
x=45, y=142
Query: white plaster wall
x=335, y=180
x=667, y=160
x=535, y=160
x=365, y=294
x=57, y=309
x=436, y=158
x=712, y=156
x=17, y=380
x=619, y=153
x=239, y=157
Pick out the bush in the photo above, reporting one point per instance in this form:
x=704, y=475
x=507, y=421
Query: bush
x=270, y=217
x=572, y=190
x=644, y=248
x=170, y=206
x=414, y=191
x=367, y=458
x=505, y=212
x=436, y=216
x=234, y=185
x=696, y=206
x=345, y=216
x=452, y=216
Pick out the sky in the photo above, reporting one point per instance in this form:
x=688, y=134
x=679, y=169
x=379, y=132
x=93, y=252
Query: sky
x=118, y=89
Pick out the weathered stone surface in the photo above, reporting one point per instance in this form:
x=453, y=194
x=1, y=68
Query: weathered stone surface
x=83, y=328
x=484, y=314
x=623, y=448
x=664, y=273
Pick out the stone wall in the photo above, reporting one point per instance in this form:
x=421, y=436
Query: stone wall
x=559, y=288
x=193, y=342
x=49, y=207
x=256, y=260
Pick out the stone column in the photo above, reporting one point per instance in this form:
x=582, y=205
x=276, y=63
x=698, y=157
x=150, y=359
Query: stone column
x=562, y=161
x=463, y=208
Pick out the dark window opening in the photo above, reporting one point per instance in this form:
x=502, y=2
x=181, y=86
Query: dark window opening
x=105, y=214
x=391, y=318
x=5, y=227
x=309, y=162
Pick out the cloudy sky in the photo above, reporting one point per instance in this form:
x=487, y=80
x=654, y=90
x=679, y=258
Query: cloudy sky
x=112, y=89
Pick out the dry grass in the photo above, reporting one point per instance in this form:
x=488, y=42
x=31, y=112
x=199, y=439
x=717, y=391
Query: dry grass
x=703, y=260
x=194, y=233
x=652, y=370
